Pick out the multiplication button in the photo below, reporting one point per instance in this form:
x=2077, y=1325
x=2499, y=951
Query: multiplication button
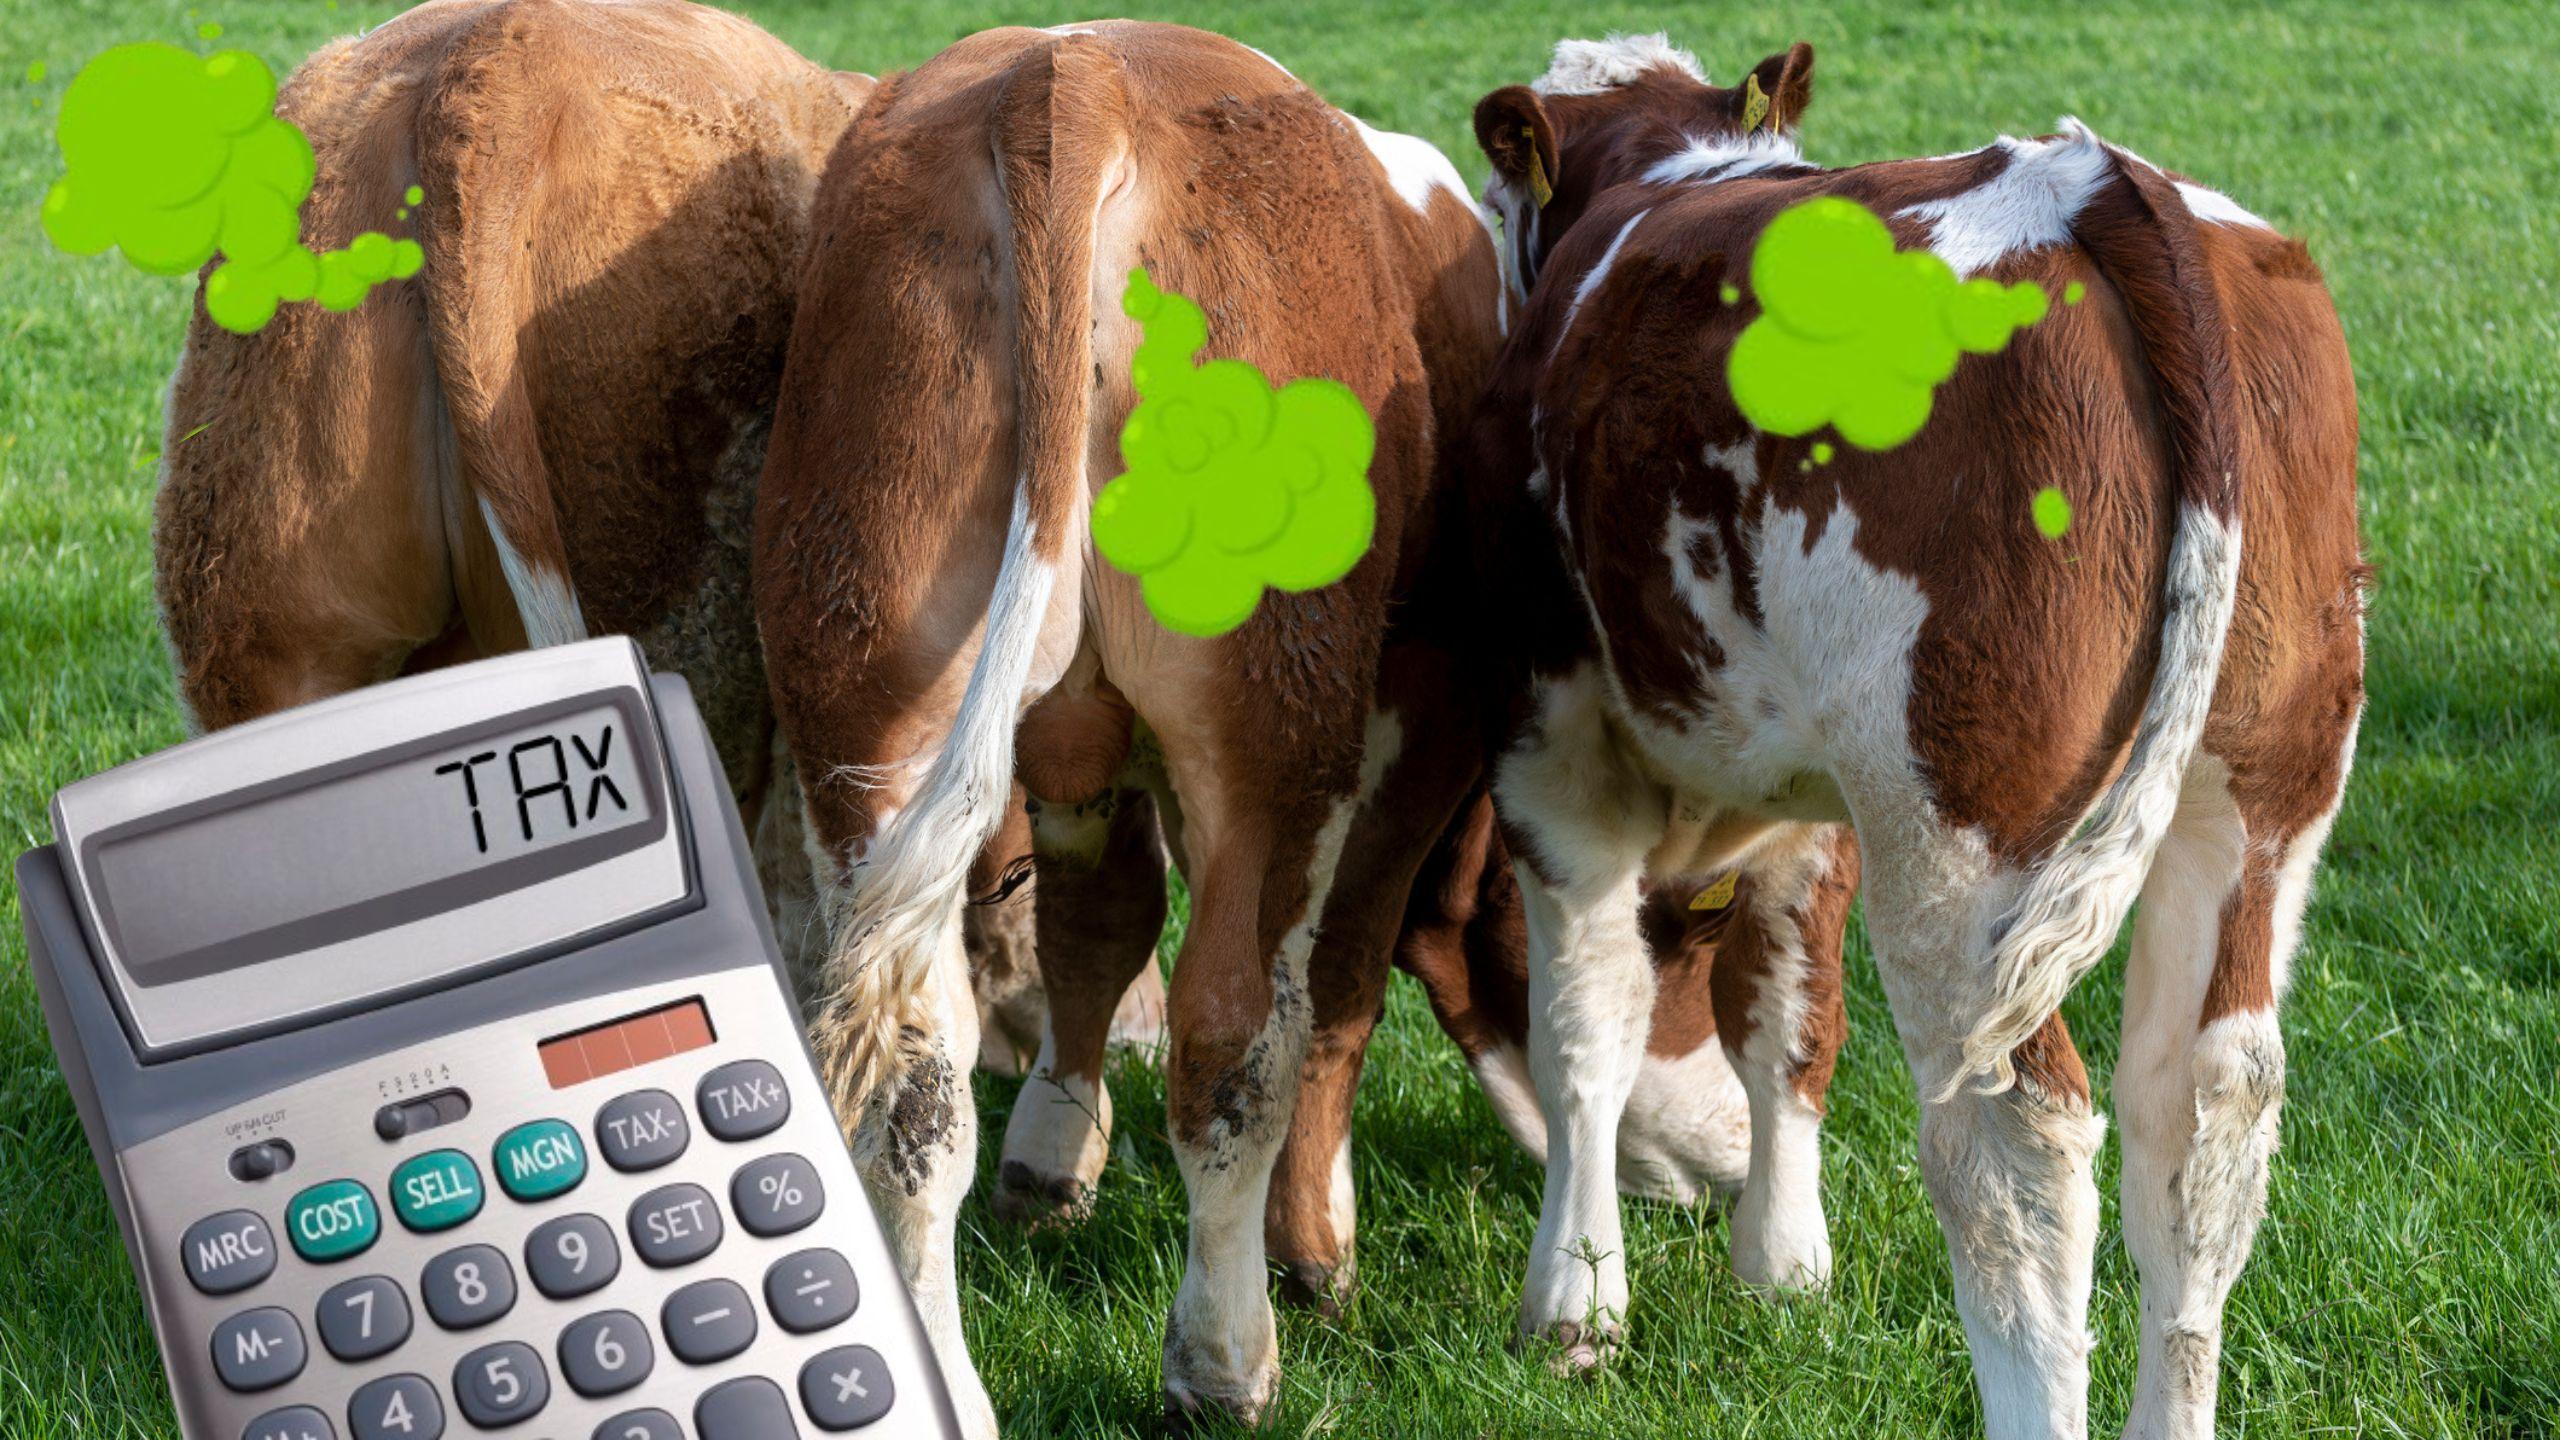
x=675, y=1225
x=742, y=1100
x=332, y=1220
x=642, y=1130
x=229, y=1252
x=810, y=1290
x=846, y=1388
x=258, y=1349
x=776, y=1195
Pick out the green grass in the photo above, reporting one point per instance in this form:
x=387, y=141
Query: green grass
x=2405, y=1281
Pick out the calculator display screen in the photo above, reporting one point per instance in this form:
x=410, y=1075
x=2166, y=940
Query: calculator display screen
x=427, y=831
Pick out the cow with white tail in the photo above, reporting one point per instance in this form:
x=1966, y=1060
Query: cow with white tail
x=1727, y=641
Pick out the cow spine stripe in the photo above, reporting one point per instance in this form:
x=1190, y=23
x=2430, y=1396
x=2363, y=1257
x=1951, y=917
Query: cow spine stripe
x=2144, y=240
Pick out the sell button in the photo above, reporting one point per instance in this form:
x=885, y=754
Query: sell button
x=539, y=1159
x=436, y=1191
x=332, y=1221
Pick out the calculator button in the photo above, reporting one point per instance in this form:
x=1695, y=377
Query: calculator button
x=675, y=1225
x=294, y=1422
x=229, y=1252
x=642, y=1130
x=742, y=1100
x=258, y=1349
x=332, y=1220
x=363, y=1318
x=751, y=1408
x=846, y=1387
x=606, y=1354
x=501, y=1385
x=468, y=1287
x=708, y=1321
x=810, y=1291
x=540, y=1159
x=639, y=1425
x=436, y=1191
x=396, y=1407
x=776, y=1195
x=572, y=1256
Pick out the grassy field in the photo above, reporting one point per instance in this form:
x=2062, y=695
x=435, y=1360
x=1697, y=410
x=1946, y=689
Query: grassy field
x=2406, y=1281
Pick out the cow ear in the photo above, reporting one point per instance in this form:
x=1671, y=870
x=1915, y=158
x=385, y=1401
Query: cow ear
x=1773, y=96
x=1512, y=128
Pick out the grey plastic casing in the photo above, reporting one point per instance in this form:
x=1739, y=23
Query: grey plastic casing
x=161, y=1129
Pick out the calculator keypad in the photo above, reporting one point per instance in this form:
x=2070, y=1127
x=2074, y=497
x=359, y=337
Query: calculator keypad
x=259, y=1349
x=501, y=1385
x=846, y=1387
x=776, y=1195
x=743, y=1100
x=606, y=1354
x=572, y=1256
x=747, y=1409
x=469, y=1287
x=642, y=1131
x=294, y=1422
x=675, y=1225
x=363, y=1319
x=396, y=1407
x=708, y=1321
x=640, y=1425
x=810, y=1291
x=229, y=1252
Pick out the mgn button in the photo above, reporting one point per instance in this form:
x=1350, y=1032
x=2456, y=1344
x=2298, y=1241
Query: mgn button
x=810, y=1291
x=642, y=1130
x=229, y=1252
x=606, y=1354
x=708, y=1321
x=436, y=1191
x=362, y=1319
x=751, y=1408
x=776, y=1195
x=501, y=1385
x=572, y=1256
x=846, y=1387
x=469, y=1287
x=675, y=1225
x=258, y=1349
x=396, y=1407
x=294, y=1422
x=332, y=1220
x=540, y=1159
x=742, y=1100
x=639, y=1425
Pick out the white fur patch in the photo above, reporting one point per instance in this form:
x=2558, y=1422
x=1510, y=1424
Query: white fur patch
x=1587, y=67
x=1597, y=275
x=1686, y=1132
x=1724, y=157
x=1414, y=166
x=544, y=600
x=2029, y=205
x=2215, y=208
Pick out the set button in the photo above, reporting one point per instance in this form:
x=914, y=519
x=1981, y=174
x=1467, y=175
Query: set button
x=675, y=1225
x=229, y=1252
x=332, y=1220
x=539, y=1160
x=436, y=1191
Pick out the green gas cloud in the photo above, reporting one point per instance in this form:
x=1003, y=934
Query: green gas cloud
x=1232, y=487
x=172, y=158
x=1855, y=334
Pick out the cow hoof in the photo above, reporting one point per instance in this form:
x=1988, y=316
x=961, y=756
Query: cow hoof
x=1190, y=1411
x=1781, y=1264
x=1318, y=1287
x=1580, y=1349
x=1034, y=1201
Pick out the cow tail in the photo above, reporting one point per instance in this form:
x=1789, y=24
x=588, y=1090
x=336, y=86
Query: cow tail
x=1059, y=126
x=2143, y=239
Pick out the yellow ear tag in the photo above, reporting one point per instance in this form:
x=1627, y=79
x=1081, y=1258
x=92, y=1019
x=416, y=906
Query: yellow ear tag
x=1539, y=189
x=1718, y=895
x=1755, y=105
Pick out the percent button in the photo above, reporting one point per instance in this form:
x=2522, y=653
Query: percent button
x=776, y=1195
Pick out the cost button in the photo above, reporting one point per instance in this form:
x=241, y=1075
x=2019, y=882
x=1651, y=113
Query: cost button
x=436, y=1191
x=540, y=1159
x=332, y=1221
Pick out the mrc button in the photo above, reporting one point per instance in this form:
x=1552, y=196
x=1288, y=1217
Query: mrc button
x=642, y=1130
x=540, y=1159
x=229, y=1252
x=436, y=1191
x=742, y=1100
x=332, y=1220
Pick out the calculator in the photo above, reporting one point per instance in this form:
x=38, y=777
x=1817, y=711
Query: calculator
x=436, y=1052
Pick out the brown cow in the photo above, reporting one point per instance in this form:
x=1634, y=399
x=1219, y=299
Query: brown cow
x=1729, y=646
x=956, y=383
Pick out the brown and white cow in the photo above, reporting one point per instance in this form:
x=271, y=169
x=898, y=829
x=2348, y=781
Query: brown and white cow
x=1729, y=649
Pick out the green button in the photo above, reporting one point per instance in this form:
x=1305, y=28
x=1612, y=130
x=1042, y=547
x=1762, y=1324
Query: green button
x=332, y=1221
x=436, y=1191
x=540, y=1159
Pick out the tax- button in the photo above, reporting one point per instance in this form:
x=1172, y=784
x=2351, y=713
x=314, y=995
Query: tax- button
x=742, y=1100
x=229, y=1252
x=538, y=1160
x=436, y=1191
x=332, y=1221
x=642, y=1130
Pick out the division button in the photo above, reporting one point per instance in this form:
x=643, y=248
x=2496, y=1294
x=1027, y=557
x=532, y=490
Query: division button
x=642, y=1130
x=675, y=1225
x=362, y=1319
x=810, y=1291
x=396, y=1407
x=294, y=1422
x=540, y=1159
x=640, y=1425
x=751, y=1408
x=708, y=1321
x=229, y=1252
x=846, y=1388
x=572, y=1256
x=500, y=1385
x=776, y=1195
x=436, y=1191
x=258, y=1349
x=742, y=1100
x=468, y=1287
x=332, y=1220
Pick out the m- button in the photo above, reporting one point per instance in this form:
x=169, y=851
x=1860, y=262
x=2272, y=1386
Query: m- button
x=229, y=1252
x=742, y=1100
